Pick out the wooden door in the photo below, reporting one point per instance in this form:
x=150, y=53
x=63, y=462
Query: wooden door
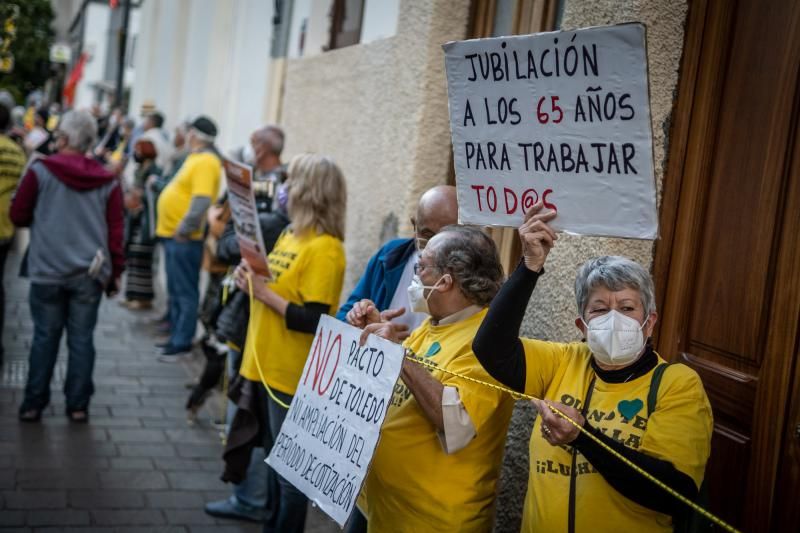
x=728, y=264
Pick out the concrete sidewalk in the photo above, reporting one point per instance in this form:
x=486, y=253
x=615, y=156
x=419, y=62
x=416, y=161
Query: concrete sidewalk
x=138, y=465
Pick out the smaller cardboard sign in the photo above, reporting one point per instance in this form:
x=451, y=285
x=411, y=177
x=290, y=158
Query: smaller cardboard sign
x=239, y=178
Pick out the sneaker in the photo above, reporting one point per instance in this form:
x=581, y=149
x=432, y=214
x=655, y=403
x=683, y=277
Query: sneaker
x=173, y=354
x=233, y=508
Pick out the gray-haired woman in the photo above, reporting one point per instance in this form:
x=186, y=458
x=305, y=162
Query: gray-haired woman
x=609, y=385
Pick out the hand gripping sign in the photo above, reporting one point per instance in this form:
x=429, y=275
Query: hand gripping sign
x=562, y=118
x=239, y=178
x=327, y=441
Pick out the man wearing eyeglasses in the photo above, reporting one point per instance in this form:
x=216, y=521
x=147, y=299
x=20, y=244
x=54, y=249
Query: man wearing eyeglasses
x=384, y=284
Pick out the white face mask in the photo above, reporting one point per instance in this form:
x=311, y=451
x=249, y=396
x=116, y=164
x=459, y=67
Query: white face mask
x=416, y=295
x=615, y=339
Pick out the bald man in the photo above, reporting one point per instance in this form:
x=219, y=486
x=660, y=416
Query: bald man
x=387, y=277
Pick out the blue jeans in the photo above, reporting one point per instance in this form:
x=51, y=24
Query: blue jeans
x=73, y=305
x=292, y=504
x=182, y=262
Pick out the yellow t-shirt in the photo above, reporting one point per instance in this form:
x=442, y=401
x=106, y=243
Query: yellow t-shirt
x=199, y=176
x=413, y=485
x=678, y=431
x=307, y=268
x=12, y=163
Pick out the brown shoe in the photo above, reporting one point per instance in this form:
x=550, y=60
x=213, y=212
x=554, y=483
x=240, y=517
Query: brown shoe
x=139, y=305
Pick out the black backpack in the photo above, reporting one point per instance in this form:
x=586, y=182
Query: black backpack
x=690, y=521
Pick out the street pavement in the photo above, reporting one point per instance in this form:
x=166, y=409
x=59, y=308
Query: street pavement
x=138, y=465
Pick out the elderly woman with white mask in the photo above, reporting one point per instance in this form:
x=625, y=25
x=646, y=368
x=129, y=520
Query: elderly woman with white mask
x=614, y=385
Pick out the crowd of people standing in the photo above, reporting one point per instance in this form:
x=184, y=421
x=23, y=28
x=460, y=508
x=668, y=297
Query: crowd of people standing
x=102, y=194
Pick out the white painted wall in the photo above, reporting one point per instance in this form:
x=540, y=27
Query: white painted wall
x=206, y=57
x=94, y=43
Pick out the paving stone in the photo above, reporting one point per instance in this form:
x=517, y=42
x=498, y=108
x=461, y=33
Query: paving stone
x=195, y=451
x=56, y=479
x=133, y=480
x=106, y=499
x=127, y=463
x=188, y=517
x=147, y=450
x=138, y=435
x=144, y=517
x=177, y=464
x=61, y=517
x=137, y=412
x=157, y=529
x=192, y=436
x=84, y=529
x=233, y=528
x=7, y=478
x=12, y=518
x=175, y=500
x=194, y=480
x=35, y=499
x=111, y=422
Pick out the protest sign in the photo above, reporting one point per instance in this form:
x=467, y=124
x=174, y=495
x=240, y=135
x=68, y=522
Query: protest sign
x=327, y=441
x=239, y=178
x=561, y=117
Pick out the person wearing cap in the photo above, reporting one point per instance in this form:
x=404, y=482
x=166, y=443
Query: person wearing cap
x=181, y=210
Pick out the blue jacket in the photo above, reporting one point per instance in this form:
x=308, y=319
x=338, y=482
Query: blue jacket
x=382, y=276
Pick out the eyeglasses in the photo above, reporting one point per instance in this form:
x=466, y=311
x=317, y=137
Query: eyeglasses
x=420, y=243
x=419, y=267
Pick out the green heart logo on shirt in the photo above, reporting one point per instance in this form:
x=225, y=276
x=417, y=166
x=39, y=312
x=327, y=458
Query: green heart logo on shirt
x=434, y=349
x=629, y=408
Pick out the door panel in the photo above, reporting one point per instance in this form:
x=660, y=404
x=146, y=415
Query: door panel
x=726, y=269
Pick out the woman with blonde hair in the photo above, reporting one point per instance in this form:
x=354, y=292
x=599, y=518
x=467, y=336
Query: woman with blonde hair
x=307, y=266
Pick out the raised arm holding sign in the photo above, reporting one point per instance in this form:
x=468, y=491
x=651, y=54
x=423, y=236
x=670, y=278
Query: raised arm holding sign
x=562, y=118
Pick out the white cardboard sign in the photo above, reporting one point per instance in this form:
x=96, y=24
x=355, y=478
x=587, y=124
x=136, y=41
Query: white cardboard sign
x=562, y=117
x=327, y=441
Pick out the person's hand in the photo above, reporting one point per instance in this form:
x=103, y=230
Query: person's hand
x=555, y=429
x=362, y=313
x=390, y=314
x=151, y=180
x=113, y=287
x=180, y=237
x=536, y=236
x=387, y=330
x=241, y=275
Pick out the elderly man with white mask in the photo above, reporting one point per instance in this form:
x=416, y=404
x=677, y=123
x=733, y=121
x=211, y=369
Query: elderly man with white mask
x=614, y=385
x=438, y=461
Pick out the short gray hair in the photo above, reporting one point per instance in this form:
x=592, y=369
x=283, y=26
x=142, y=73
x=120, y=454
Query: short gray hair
x=272, y=136
x=80, y=129
x=615, y=273
x=471, y=257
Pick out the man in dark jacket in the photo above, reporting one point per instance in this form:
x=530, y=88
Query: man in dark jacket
x=388, y=274
x=73, y=207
